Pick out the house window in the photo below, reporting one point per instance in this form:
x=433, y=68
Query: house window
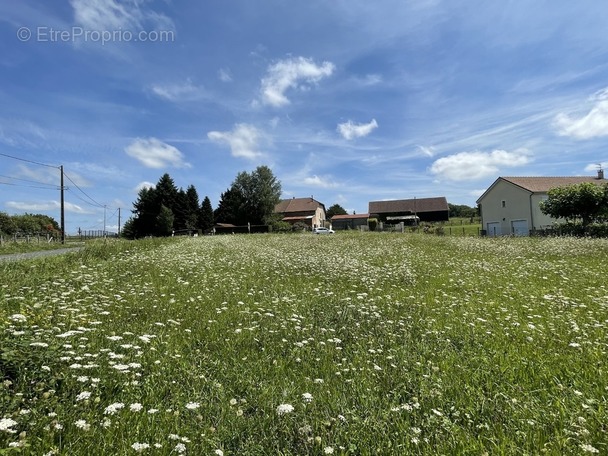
x=503, y=203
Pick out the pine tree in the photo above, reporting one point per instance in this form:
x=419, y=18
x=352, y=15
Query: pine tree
x=206, y=220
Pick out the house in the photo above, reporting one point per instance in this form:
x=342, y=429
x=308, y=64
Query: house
x=511, y=205
x=410, y=211
x=305, y=210
x=349, y=222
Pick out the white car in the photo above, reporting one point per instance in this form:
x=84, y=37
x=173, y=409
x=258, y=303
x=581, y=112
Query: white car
x=322, y=230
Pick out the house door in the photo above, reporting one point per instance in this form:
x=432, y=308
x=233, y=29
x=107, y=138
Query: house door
x=494, y=229
x=519, y=228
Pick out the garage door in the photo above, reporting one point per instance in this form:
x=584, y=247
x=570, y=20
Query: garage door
x=519, y=227
x=494, y=229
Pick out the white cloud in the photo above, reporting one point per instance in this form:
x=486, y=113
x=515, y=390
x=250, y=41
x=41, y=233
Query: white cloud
x=294, y=73
x=243, y=140
x=114, y=15
x=594, y=167
x=592, y=125
x=179, y=92
x=350, y=130
x=225, y=75
x=320, y=181
x=46, y=206
x=428, y=151
x=144, y=184
x=153, y=153
x=477, y=165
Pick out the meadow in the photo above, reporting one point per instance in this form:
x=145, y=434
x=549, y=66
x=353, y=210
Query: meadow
x=351, y=344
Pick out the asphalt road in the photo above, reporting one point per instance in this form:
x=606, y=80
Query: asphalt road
x=39, y=254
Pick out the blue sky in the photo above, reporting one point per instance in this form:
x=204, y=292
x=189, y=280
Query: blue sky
x=348, y=101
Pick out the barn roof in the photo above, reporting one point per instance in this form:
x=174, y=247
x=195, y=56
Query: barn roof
x=409, y=205
x=349, y=217
x=297, y=205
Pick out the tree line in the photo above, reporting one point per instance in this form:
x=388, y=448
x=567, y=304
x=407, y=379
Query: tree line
x=28, y=224
x=164, y=209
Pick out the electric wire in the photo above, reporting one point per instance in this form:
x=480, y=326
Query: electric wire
x=29, y=161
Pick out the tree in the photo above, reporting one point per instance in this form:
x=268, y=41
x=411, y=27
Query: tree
x=7, y=224
x=335, y=209
x=147, y=208
x=192, y=209
x=145, y=211
x=164, y=221
x=462, y=210
x=206, y=215
x=229, y=209
x=261, y=192
x=251, y=198
x=585, y=201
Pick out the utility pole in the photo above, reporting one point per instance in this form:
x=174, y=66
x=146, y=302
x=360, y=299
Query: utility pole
x=104, y=220
x=118, y=222
x=62, y=208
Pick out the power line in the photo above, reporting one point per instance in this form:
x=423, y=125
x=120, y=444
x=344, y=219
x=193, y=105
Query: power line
x=83, y=192
x=30, y=186
x=28, y=180
x=29, y=161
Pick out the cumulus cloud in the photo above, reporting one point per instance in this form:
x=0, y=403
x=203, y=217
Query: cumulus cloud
x=293, y=73
x=350, y=130
x=477, y=165
x=592, y=125
x=243, y=140
x=46, y=206
x=153, y=153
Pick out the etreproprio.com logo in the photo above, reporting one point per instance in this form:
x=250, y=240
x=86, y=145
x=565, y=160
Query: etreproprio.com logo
x=80, y=34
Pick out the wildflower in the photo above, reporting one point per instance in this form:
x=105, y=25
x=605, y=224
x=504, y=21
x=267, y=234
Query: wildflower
x=219, y=452
x=589, y=448
x=307, y=397
x=328, y=450
x=83, y=396
x=180, y=448
x=113, y=408
x=140, y=446
x=284, y=409
x=192, y=405
x=136, y=407
x=19, y=318
x=82, y=424
x=6, y=424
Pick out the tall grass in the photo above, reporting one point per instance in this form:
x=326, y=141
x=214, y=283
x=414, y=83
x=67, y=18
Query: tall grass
x=346, y=344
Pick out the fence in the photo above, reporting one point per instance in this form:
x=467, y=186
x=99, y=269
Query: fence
x=37, y=238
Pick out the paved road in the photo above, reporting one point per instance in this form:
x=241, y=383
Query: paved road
x=40, y=253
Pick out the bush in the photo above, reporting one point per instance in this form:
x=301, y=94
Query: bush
x=578, y=230
x=372, y=223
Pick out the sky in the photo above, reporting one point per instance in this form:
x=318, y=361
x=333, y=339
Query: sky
x=346, y=101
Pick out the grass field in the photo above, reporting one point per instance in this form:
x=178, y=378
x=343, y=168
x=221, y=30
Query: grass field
x=357, y=343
